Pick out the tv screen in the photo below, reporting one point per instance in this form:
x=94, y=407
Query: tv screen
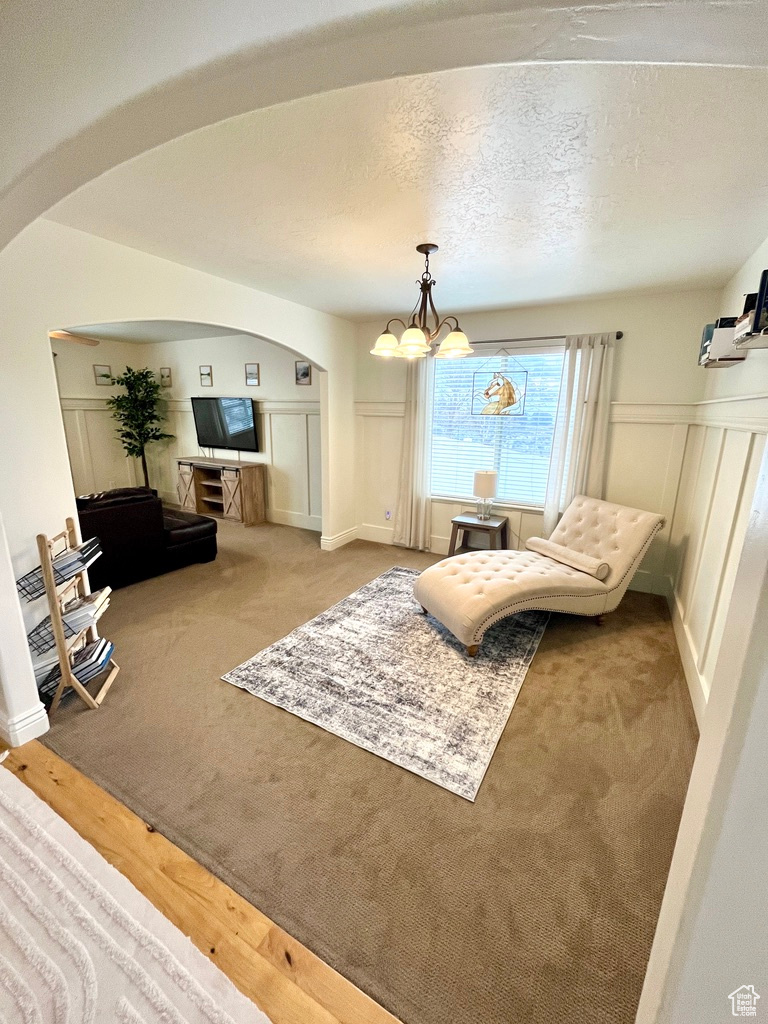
x=225, y=423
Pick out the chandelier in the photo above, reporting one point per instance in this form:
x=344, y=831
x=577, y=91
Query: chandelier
x=424, y=325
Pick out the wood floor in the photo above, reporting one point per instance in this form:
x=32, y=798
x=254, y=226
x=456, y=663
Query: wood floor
x=288, y=982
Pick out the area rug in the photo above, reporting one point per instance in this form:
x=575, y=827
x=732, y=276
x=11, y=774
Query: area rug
x=376, y=671
x=80, y=945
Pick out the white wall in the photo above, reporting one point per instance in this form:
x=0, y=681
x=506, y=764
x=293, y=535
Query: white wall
x=656, y=385
x=751, y=376
x=288, y=417
x=51, y=275
x=722, y=446
x=97, y=459
x=711, y=934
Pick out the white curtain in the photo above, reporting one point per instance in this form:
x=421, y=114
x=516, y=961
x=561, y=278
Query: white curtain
x=577, y=465
x=413, y=514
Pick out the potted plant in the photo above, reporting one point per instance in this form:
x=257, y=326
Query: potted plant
x=137, y=413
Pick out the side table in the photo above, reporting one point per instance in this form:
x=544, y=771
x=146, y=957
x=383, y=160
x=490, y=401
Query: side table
x=497, y=527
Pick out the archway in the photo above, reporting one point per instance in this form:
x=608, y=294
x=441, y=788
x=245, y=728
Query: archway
x=122, y=284
x=288, y=414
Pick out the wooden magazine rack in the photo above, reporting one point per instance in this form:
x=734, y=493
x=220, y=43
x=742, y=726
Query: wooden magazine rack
x=60, y=588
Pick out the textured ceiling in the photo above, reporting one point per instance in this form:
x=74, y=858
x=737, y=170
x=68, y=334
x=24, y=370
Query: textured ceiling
x=539, y=183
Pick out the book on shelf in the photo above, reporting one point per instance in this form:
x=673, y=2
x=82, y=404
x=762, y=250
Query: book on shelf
x=84, y=611
x=43, y=665
x=65, y=565
x=86, y=665
x=92, y=659
x=74, y=559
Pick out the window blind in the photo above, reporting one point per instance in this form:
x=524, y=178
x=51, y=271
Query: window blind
x=515, y=440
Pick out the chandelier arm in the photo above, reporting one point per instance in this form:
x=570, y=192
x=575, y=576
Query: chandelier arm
x=435, y=314
x=395, y=320
x=426, y=296
x=445, y=322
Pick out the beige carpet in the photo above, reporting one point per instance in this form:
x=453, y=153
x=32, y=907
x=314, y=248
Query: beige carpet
x=537, y=903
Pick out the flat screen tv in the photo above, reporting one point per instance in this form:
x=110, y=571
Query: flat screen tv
x=226, y=423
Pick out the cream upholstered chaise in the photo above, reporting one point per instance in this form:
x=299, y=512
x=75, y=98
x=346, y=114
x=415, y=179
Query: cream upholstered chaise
x=584, y=568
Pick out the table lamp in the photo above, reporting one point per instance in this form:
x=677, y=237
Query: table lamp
x=485, y=491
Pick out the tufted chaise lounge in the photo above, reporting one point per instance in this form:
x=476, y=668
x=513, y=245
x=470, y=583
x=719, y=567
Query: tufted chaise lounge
x=469, y=592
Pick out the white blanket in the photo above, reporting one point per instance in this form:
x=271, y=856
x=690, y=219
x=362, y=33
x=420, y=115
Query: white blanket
x=80, y=945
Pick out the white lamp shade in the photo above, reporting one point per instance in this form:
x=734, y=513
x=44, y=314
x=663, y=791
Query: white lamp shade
x=413, y=343
x=485, y=483
x=386, y=345
x=454, y=346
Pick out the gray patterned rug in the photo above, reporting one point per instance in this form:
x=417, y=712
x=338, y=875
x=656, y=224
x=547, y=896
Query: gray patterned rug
x=377, y=672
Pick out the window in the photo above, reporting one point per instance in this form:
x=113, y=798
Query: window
x=514, y=439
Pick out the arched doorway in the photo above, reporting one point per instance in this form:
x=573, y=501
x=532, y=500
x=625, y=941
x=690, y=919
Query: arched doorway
x=284, y=386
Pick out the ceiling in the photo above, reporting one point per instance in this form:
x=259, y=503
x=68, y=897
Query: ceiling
x=539, y=183
x=147, y=332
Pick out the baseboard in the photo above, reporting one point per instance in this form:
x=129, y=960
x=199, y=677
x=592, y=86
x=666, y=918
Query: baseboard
x=694, y=679
x=22, y=728
x=338, y=540
x=285, y=518
x=378, y=534
x=274, y=515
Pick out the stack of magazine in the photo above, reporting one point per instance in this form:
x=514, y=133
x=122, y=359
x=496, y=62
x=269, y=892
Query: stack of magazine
x=65, y=565
x=84, y=612
x=76, y=559
x=86, y=665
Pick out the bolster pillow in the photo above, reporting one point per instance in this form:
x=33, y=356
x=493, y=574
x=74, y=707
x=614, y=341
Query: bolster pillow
x=584, y=563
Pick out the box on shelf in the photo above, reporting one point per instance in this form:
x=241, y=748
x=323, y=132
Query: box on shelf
x=717, y=348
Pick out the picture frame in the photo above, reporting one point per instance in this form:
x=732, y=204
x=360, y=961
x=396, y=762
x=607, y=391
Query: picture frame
x=166, y=377
x=206, y=376
x=303, y=373
x=252, y=376
x=102, y=374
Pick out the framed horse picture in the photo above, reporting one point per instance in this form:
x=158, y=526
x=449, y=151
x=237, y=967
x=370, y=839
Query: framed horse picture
x=499, y=394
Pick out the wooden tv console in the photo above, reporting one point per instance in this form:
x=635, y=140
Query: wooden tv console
x=223, y=487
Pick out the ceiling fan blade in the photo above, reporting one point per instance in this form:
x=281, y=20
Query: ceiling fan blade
x=77, y=338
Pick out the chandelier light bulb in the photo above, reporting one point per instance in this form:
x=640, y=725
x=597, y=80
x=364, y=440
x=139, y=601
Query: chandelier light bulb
x=413, y=342
x=386, y=345
x=455, y=345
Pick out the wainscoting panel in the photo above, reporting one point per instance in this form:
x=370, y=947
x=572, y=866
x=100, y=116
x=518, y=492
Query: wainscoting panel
x=698, y=513
x=708, y=657
x=643, y=471
x=717, y=482
x=314, y=467
x=289, y=433
x=679, y=541
x=96, y=455
x=288, y=490
x=726, y=496
x=378, y=439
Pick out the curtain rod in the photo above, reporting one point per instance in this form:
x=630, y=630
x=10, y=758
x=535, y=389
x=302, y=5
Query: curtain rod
x=543, y=337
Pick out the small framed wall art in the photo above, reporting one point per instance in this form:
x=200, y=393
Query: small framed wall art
x=303, y=372
x=166, y=380
x=252, y=378
x=206, y=376
x=102, y=375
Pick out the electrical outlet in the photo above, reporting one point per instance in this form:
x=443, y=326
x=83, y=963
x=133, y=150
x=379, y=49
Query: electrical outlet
x=388, y=513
